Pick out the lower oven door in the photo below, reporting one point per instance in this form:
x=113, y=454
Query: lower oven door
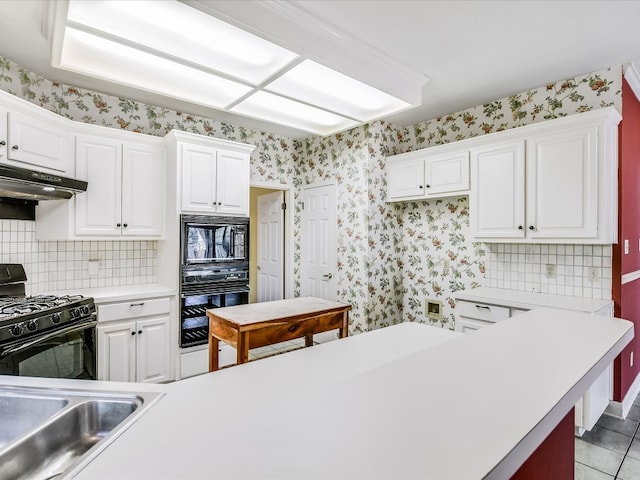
x=194, y=323
x=66, y=353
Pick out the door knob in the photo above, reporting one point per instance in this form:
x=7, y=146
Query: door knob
x=259, y=267
x=328, y=276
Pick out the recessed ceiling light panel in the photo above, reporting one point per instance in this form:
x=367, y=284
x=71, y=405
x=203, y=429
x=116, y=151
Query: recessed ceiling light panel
x=180, y=31
x=98, y=57
x=273, y=108
x=313, y=83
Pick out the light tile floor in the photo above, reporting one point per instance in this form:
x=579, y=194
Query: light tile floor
x=276, y=348
x=611, y=450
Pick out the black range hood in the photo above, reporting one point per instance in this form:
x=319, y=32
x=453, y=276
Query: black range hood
x=27, y=184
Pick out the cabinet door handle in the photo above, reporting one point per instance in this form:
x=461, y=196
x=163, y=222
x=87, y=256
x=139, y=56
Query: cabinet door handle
x=531, y=227
x=133, y=333
x=2, y=143
x=520, y=227
x=428, y=186
x=118, y=225
x=134, y=305
x=420, y=187
x=15, y=147
x=483, y=307
x=328, y=276
x=125, y=225
x=139, y=332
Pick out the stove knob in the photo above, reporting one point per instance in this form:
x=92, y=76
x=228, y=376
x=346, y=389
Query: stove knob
x=75, y=313
x=84, y=309
x=32, y=325
x=55, y=318
x=16, y=330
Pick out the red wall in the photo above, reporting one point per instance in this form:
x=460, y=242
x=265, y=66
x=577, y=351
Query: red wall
x=627, y=297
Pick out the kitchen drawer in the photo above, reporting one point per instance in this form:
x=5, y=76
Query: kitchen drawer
x=482, y=311
x=133, y=309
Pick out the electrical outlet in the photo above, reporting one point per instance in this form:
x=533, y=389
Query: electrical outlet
x=593, y=273
x=626, y=247
x=550, y=270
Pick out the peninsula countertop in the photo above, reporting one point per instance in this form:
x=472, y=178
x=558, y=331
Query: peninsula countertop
x=399, y=402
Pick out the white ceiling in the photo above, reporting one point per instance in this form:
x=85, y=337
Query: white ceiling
x=471, y=51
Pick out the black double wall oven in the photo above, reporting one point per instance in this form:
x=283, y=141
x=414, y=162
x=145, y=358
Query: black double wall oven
x=214, y=271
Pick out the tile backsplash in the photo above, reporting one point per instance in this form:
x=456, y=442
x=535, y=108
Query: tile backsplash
x=64, y=265
x=575, y=270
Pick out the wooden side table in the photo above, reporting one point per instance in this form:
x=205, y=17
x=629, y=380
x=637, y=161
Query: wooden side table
x=260, y=324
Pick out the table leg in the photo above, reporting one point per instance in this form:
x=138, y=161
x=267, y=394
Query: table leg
x=242, y=349
x=344, y=328
x=214, y=345
x=308, y=340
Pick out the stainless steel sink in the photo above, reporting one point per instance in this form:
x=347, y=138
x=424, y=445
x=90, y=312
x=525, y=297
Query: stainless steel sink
x=59, y=431
x=22, y=413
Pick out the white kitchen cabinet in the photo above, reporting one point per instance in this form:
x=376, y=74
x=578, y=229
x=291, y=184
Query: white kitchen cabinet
x=215, y=179
x=418, y=175
x=195, y=361
x=124, y=195
x=498, y=193
x=36, y=140
x=134, y=341
x=553, y=182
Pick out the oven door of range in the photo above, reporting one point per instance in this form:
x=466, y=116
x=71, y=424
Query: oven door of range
x=64, y=353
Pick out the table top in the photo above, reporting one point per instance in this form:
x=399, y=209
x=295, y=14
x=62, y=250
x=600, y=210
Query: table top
x=278, y=310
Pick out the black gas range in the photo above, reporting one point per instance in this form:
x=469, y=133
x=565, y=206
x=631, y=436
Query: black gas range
x=44, y=335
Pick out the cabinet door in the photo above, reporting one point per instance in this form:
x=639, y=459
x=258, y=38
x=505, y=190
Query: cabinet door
x=38, y=143
x=497, y=199
x=153, y=350
x=405, y=179
x=232, y=183
x=142, y=188
x=117, y=352
x=447, y=173
x=562, y=184
x=4, y=139
x=98, y=210
x=198, y=178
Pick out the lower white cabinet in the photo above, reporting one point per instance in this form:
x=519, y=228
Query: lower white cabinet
x=196, y=361
x=134, y=341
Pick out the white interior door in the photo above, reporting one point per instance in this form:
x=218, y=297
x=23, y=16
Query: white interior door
x=318, y=237
x=270, y=247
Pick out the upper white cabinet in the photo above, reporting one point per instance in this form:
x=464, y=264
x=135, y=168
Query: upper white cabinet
x=34, y=138
x=553, y=182
x=212, y=174
x=124, y=195
x=418, y=175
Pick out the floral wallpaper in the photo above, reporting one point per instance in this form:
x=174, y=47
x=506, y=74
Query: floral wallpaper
x=391, y=256
x=437, y=258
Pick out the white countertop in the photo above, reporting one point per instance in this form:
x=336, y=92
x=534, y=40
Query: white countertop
x=400, y=402
x=531, y=300
x=122, y=293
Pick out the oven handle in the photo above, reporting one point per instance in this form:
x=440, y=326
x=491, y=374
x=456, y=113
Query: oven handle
x=23, y=346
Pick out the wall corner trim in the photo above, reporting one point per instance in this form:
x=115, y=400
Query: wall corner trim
x=631, y=73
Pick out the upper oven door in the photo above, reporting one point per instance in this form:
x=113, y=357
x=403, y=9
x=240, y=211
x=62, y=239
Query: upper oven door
x=211, y=240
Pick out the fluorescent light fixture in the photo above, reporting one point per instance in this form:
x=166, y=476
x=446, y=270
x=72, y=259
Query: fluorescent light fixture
x=316, y=84
x=273, y=108
x=169, y=48
x=96, y=56
x=177, y=30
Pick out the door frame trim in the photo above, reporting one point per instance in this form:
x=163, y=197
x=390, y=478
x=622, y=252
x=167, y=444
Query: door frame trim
x=287, y=257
